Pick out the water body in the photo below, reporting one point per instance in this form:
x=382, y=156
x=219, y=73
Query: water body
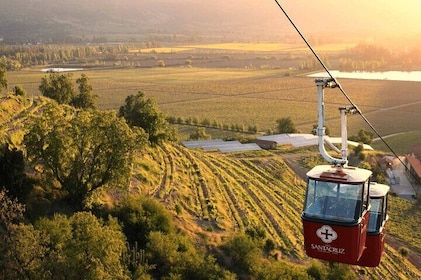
x=58, y=70
x=410, y=76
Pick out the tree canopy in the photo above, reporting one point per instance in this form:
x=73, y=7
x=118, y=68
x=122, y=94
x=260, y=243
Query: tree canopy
x=3, y=78
x=141, y=112
x=141, y=216
x=80, y=246
x=83, y=247
x=58, y=86
x=363, y=136
x=286, y=125
x=83, y=150
x=200, y=134
x=85, y=98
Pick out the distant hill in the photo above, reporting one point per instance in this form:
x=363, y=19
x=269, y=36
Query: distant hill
x=77, y=20
x=61, y=21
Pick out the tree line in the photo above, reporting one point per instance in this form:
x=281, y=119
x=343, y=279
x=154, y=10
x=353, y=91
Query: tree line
x=362, y=57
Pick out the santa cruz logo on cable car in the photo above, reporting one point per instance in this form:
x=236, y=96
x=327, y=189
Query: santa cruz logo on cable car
x=326, y=234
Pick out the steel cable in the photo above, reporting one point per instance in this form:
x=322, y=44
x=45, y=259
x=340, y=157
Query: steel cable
x=341, y=89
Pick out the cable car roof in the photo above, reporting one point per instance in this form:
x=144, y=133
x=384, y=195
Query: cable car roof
x=378, y=190
x=346, y=174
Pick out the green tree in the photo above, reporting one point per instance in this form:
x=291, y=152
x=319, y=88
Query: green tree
x=26, y=249
x=19, y=91
x=82, y=150
x=340, y=271
x=12, y=173
x=76, y=247
x=3, y=78
x=244, y=253
x=286, y=125
x=21, y=246
x=85, y=99
x=83, y=247
x=200, y=134
x=317, y=271
x=141, y=112
x=140, y=216
x=363, y=136
x=58, y=87
x=176, y=257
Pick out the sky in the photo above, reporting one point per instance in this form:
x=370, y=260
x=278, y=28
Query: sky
x=389, y=17
x=361, y=18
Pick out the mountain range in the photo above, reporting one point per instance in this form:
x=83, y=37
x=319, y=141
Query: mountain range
x=61, y=21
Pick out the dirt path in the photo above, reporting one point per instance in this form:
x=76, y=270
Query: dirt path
x=292, y=160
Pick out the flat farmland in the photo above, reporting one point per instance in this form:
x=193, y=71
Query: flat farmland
x=250, y=97
x=247, y=47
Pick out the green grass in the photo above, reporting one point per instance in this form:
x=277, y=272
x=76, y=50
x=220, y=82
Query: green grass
x=405, y=217
x=401, y=143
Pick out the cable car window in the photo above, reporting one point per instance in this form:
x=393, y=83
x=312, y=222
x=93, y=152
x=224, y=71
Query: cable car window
x=376, y=216
x=333, y=201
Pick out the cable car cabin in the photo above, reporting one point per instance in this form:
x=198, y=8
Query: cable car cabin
x=336, y=213
x=376, y=232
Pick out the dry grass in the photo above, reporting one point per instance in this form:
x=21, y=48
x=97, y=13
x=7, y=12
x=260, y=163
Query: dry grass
x=251, y=97
x=247, y=47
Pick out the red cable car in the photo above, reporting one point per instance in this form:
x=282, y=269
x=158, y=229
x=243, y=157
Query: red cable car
x=336, y=213
x=339, y=222
x=376, y=232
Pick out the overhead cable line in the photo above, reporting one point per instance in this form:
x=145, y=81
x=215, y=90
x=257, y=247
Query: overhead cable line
x=338, y=85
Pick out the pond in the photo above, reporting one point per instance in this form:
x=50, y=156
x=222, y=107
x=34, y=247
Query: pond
x=409, y=76
x=58, y=70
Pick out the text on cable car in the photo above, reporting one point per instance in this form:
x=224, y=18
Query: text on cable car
x=328, y=249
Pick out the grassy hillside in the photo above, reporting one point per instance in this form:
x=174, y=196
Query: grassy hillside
x=213, y=196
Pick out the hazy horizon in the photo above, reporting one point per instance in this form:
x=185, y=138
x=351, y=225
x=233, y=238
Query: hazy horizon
x=237, y=18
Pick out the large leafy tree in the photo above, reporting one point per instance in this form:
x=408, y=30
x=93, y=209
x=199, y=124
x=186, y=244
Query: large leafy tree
x=85, y=98
x=140, y=216
x=3, y=78
x=83, y=150
x=83, y=247
x=21, y=247
x=58, y=86
x=77, y=247
x=141, y=112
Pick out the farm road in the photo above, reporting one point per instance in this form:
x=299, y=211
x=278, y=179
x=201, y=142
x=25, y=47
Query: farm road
x=292, y=160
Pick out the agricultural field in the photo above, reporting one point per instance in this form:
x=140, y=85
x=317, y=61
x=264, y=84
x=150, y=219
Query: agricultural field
x=250, y=97
x=213, y=195
x=247, y=47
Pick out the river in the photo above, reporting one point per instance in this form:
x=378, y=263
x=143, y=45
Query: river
x=409, y=76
